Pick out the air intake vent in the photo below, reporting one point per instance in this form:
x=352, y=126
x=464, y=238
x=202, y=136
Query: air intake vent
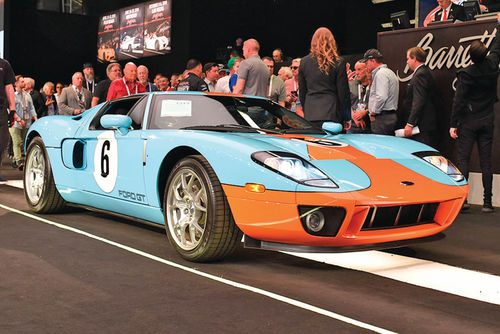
x=399, y=216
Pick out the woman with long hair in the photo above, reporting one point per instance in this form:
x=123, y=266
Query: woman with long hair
x=323, y=85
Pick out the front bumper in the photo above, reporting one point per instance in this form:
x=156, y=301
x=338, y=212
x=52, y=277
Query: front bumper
x=273, y=216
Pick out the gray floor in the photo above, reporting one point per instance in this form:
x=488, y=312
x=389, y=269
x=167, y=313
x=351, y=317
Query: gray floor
x=56, y=281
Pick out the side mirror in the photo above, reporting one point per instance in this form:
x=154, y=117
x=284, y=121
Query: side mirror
x=332, y=127
x=117, y=122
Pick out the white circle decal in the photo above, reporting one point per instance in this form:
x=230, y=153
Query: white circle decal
x=106, y=161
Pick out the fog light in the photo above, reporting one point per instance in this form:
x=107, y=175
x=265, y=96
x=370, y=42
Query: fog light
x=315, y=221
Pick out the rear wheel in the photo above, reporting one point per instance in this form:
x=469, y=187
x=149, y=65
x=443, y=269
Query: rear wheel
x=198, y=221
x=39, y=188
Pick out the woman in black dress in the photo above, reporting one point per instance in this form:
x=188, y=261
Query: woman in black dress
x=323, y=86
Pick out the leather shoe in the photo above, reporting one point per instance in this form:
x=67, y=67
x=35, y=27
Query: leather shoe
x=465, y=207
x=487, y=208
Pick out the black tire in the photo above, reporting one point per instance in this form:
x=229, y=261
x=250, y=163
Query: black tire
x=220, y=236
x=40, y=192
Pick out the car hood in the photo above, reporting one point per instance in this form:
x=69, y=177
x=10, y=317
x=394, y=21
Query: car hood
x=352, y=160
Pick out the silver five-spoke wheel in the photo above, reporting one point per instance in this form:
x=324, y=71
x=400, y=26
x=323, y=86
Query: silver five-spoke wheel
x=35, y=174
x=198, y=221
x=187, y=208
x=39, y=188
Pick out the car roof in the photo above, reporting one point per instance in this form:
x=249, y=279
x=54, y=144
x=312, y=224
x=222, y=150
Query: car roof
x=205, y=93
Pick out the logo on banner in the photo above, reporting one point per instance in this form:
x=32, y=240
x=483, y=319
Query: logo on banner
x=447, y=56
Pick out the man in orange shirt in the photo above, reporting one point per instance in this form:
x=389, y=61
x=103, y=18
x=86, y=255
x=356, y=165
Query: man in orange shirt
x=127, y=85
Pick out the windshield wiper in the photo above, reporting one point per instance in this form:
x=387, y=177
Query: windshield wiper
x=240, y=126
x=221, y=128
x=305, y=131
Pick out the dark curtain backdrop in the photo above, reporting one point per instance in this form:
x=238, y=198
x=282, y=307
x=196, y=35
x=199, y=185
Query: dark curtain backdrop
x=52, y=46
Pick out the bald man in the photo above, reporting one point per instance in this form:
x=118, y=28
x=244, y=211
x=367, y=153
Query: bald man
x=253, y=74
x=128, y=85
x=75, y=99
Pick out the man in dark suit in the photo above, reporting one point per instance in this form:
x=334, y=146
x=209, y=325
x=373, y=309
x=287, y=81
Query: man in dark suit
x=449, y=11
x=75, y=99
x=473, y=116
x=420, y=97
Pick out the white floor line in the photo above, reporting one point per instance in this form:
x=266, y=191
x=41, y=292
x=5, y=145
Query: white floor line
x=462, y=282
x=262, y=292
x=15, y=183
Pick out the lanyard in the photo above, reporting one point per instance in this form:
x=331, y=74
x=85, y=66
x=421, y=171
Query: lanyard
x=362, y=98
x=128, y=90
x=270, y=86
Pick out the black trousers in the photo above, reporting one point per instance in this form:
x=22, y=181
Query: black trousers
x=471, y=131
x=4, y=132
x=384, y=123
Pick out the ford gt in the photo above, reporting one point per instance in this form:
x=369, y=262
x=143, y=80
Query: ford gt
x=213, y=168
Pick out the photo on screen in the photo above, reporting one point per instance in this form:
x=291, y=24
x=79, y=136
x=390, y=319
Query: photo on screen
x=108, y=39
x=131, y=32
x=157, y=25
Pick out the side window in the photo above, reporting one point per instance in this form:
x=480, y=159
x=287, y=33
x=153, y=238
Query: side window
x=180, y=111
x=137, y=113
x=119, y=107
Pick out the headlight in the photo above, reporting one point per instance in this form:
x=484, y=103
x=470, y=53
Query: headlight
x=293, y=167
x=445, y=165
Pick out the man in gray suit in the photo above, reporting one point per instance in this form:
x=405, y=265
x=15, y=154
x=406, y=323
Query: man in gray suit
x=75, y=99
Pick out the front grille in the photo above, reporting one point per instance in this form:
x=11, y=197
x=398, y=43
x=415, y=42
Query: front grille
x=380, y=217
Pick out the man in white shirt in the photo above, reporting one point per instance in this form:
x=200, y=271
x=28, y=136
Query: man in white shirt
x=449, y=11
x=223, y=83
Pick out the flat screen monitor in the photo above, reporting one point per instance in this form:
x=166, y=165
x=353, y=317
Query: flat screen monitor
x=400, y=20
x=136, y=31
x=472, y=9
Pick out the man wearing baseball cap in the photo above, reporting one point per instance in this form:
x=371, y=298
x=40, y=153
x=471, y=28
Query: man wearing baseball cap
x=88, y=72
x=222, y=85
x=383, y=100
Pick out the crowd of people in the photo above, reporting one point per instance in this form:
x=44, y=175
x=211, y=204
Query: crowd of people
x=315, y=87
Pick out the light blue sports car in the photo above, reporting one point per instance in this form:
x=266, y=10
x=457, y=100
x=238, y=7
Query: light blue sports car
x=214, y=167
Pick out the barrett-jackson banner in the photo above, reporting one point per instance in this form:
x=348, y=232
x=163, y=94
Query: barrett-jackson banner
x=448, y=51
x=108, y=37
x=131, y=32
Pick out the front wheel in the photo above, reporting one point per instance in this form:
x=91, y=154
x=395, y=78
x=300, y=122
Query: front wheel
x=198, y=221
x=39, y=188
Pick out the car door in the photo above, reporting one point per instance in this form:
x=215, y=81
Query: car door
x=113, y=161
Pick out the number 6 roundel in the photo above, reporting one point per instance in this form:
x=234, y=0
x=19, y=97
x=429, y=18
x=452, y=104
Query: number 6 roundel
x=106, y=161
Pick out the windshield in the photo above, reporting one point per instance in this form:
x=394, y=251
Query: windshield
x=225, y=113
